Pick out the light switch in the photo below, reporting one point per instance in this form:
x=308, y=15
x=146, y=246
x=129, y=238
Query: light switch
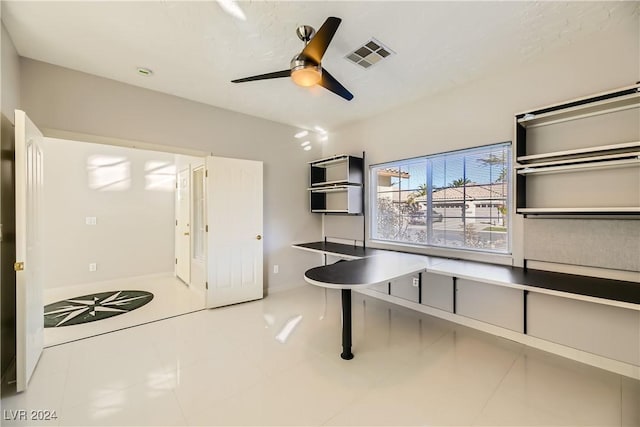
x=91, y=220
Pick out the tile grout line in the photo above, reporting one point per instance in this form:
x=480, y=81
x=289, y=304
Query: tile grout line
x=495, y=389
x=125, y=328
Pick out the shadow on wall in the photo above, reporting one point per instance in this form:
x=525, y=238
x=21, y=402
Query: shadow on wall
x=7, y=246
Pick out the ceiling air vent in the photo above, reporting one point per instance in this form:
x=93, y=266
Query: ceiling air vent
x=369, y=54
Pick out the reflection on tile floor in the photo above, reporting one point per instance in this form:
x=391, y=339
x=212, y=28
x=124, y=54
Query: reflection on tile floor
x=171, y=297
x=238, y=366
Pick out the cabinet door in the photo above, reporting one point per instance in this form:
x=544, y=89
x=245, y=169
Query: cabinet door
x=612, y=332
x=406, y=288
x=492, y=304
x=437, y=291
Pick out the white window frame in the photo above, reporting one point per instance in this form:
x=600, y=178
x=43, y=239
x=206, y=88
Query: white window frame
x=427, y=159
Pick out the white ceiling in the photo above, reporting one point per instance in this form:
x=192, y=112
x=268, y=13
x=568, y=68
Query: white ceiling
x=195, y=48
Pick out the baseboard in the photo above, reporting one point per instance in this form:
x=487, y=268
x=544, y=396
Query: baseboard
x=114, y=281
x=278, y=289
x=591, y=359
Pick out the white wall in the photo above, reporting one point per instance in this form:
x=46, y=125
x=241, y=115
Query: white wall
x=133, y=205
x=62, y=99
x=10, y=75
x=482, y=112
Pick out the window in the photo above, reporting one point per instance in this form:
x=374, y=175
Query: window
x=456, y=200
x=199, y=220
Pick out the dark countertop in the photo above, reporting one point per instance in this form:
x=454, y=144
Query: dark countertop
x=339, y=249
x=366, y=269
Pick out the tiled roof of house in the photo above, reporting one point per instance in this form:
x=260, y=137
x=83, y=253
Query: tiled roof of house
x=394, y=172
x=469, y=192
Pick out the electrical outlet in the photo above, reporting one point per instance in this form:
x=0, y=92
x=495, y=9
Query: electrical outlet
x=276, y=269
x=416, y=282
x=93, y=266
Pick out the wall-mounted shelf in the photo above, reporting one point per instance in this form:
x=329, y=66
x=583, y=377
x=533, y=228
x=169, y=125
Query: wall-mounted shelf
x=332, y=188
x=336, y=185
x=578, y=211
x=619, y=101
x=568, y=155
x=603, y=162
x=582, y=135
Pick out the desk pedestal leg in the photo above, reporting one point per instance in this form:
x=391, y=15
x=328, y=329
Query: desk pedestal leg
x=346, y=325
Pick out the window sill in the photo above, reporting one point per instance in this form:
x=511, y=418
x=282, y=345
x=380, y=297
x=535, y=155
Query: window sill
x=469, y=255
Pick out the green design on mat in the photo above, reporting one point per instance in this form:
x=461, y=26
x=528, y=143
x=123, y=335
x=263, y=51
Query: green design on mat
x=89, y=308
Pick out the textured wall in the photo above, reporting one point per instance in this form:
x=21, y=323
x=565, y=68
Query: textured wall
x=586, y=242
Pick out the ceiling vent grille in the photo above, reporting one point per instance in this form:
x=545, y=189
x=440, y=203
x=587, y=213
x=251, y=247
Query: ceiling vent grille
x=369, y=54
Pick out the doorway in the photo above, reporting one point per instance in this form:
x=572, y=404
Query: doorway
x=109, y=245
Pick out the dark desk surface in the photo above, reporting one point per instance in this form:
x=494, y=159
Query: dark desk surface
x=368, y=271
x=339, y=249
x=364, y=272
x=608, y=289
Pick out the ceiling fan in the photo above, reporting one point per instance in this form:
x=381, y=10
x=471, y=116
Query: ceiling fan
x=305, y=68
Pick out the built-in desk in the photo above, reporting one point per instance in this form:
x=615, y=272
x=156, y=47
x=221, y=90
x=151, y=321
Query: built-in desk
x=593, y=289
x=361, y=273
x=339, y=249
x=368, y=267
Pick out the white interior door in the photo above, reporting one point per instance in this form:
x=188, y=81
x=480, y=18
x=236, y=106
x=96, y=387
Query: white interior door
x=29, y=275
x=234, y=240
x=183, y=230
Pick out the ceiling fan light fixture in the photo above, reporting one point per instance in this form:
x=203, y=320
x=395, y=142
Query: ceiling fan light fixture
x=306, y=75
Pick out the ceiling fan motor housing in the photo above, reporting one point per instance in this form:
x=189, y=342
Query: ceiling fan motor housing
x=304, y=71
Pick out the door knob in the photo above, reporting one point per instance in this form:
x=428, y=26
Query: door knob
x=259, y=237
x=186, y=234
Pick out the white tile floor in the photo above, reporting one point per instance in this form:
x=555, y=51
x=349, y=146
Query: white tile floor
x=171, y=297
x=233, y=366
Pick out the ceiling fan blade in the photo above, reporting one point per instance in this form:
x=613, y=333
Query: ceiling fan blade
x=330, y=83
x=316, y=48
x=274, y=75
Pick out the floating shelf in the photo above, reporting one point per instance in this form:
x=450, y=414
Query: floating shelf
x=578, y=153
x=333, y=188
x=340, y=211
x=564, y=167
x=587, y=210
x=333, y=183
x=605, y=106
x=330, y=161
